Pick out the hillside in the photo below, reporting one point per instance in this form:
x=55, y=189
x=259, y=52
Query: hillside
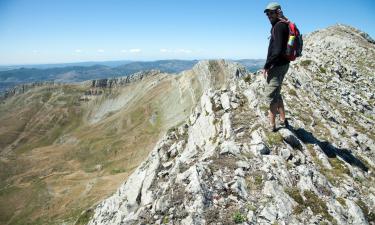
x=70, y=145
x=222, y=166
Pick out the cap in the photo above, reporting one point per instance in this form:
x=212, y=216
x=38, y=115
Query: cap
x=272, y=6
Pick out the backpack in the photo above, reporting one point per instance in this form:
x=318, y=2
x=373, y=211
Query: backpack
x=295, y=42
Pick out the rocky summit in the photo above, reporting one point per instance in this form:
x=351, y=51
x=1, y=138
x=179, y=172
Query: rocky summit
x=222, y=165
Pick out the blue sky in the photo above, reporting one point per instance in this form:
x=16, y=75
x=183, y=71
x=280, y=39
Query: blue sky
x=53, y=31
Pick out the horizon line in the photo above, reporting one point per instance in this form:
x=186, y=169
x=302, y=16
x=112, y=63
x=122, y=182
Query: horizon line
x=119, y=60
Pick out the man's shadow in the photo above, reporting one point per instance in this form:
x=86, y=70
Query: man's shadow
x=330, y=150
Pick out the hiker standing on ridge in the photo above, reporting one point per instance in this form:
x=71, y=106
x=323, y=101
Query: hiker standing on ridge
x=276, y=65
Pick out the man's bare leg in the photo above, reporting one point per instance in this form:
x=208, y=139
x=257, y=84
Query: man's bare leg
x=281, y=110
x=272, y=115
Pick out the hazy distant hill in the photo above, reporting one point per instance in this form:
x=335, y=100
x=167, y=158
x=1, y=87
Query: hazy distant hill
x=54, y=65
x=69, y=73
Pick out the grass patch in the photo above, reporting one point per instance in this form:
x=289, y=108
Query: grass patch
x=317, y=205
x=292, y=92
x=238, y=217
x=322, y=69
x=57, y=120
x=341, y=201
x=327, y=173
x=274, y=138
x=370, y=216
x=247, y=79
x=264, y=107
x=165, y=220
x=307, y=119
x=116, y=171
x=319, y=79
x=306, y=63
x=85, y=217
x=339, y=169
x=295, y=194
x=254, y=181
x=222, y=162
x=31, y=200
x=251, y=207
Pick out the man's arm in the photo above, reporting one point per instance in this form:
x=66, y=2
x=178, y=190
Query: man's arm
x=278, y=44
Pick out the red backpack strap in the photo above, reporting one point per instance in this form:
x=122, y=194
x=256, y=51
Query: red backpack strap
x=292, y=29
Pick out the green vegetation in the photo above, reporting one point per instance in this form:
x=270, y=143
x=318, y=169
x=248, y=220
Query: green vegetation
x=364, y=161
x=322, y=69
x=306, y=62
x=339, y=169
x=274, y=138
x=35, y=197
x=341, y=201
x=116, y=171
x=254, y=181
x=85, y=217
x=48, y=123
x=292, y=92
x=264, y=107
x=370, y=216
x=319, y=79
x=238, y=217
x=251, y=207
x=317, y=205
x=306, y=118
x=258, y=180
x=310, y=200
x=247, y=79
x=165, y=220
x=295, y=194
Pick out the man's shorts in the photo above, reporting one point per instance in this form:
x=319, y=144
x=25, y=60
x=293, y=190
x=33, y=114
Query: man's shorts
x=273, y=84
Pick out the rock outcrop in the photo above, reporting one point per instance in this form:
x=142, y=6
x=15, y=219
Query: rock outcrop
x=222, y=166
x=22, y=88
x=121, y=81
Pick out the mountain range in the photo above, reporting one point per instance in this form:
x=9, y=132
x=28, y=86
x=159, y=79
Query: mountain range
x=77, y=72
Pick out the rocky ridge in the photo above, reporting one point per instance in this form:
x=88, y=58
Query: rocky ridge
x=99, y=83
x=121, y=81
x=223, y=167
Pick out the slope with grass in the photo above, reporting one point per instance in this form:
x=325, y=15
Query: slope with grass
x=64, y=147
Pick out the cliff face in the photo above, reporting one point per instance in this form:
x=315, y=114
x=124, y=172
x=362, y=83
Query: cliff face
x=221, y=166
x=121, y=81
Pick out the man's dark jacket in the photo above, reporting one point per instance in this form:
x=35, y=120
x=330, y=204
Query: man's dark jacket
x=277, y=46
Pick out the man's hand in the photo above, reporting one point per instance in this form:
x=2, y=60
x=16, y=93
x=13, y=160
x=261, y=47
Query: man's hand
x=265, y=73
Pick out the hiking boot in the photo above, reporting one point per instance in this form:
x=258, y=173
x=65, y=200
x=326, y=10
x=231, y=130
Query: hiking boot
x=284, y=123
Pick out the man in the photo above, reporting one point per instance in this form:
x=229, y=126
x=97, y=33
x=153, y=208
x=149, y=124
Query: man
x=276, y=65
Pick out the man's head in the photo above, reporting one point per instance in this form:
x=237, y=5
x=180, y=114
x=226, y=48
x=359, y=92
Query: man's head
x=273, y=11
